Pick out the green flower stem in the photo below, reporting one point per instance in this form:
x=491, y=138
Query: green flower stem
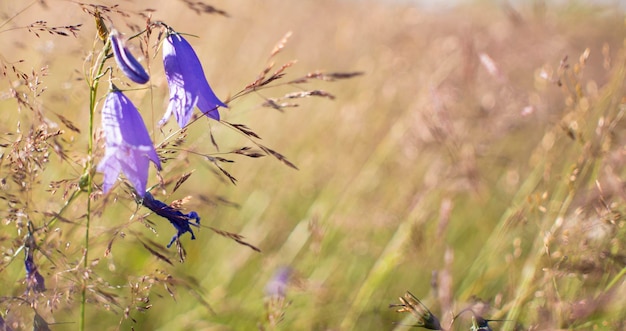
x=93, y=92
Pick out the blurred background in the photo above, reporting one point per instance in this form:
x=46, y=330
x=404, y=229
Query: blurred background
x=477, y=162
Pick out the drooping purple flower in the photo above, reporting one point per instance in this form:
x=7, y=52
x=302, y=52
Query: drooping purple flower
x=179, y=220
x=187, y=83
x=34, y=280
x=128, y=145
x=126, y=61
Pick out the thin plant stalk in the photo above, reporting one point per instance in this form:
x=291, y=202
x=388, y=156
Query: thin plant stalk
x=93, y=92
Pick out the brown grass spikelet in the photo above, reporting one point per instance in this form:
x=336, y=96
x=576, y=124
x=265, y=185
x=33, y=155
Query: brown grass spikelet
x=244, y=129
x=278, y=156
x=249, y=152
x=236, y=237
x=42, y=26
x=281, y=44
x=200, y=7
x=183, y=178
x=156, y=254
x=305, y=94
x=329, y=77
x=179, y=203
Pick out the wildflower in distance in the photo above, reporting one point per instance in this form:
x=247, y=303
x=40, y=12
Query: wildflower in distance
x=126, y=61
x=128, y=145
x=187, y=84
x=277, y=286
x=275, y=301
x=179, y=220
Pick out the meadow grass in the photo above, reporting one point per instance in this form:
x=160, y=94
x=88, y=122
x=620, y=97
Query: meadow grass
x=477, y=162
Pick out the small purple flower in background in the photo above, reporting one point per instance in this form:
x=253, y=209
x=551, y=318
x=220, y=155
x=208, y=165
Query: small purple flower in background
x=277, y=286
x=187, y=83
x=34, y=280
x=275, y=301
x=179, y=220
x=128, y=145
x=126, y=61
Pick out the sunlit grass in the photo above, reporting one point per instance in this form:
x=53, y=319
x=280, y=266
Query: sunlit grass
x=432, y=172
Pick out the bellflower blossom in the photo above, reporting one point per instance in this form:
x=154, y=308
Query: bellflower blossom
x=34, y=279
x=179, y=220
x=187, y=83
x=128, y=145
x=126, y=61
x=277, y=286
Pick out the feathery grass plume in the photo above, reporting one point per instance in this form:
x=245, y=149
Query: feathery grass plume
x=187, y=83
x=42, y=26
x=129, y=148
x=126, y=61
x=179, y=220
x=411, y=304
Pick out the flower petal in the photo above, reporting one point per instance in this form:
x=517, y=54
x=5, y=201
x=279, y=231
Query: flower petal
x=187, y=83
x=128, y=145
x=110, y=167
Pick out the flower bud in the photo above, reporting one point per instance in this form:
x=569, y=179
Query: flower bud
x=126, y=61
x=103, y=32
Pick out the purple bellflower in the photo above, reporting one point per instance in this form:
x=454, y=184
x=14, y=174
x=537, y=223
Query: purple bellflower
x=277, y=286
x=179, y=220
x=126, y=61
x=34, y=280
x=128, y=145
x=187, y=83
